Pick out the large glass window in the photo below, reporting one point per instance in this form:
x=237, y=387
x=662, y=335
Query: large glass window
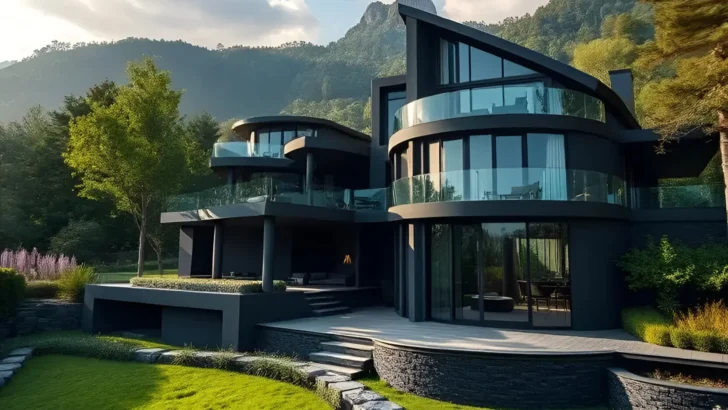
x=485, y=66
x=501, y=272
x=433, y=185
x=481, y=162
x=547, y=165
x=511, y=69
x=452, y=170
x=441, y=273
x=276, y=139
x=488, y=99
x=461, y=63
x=509, y=163
x=395, y=101
x=527, y=98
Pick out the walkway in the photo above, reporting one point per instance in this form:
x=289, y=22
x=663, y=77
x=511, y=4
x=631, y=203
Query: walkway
x=385, y=325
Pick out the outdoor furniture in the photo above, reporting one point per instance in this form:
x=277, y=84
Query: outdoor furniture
x=502, y=304
x=532, y=191
x=562, y=293
x=540, y=294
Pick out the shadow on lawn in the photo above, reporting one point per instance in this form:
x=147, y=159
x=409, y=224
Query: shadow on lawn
x=63, y=382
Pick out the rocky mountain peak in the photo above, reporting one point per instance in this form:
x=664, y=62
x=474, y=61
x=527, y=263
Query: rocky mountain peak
x=424, y=5
x=378, y=12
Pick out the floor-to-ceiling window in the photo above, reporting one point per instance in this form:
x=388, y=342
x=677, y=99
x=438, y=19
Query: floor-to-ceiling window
x=500, y=273
x=452, y=170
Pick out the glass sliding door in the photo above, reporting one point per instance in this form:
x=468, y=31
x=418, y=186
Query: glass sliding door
x=441, y=278
x=550, y=279
x=467, y=267
x=504, y=273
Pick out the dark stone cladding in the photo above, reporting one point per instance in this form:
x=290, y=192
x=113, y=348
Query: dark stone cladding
x=628, y=391
x=495, y=380
x=41, y=315
x=287, y=342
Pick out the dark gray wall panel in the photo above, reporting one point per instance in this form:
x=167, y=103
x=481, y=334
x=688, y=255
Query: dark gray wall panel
x=590, y=152
x=198, y=327
x=186, y=243
x=597, y=285
x=242, y=250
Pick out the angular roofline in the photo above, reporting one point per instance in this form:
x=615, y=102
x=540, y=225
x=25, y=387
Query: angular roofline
x=296, y=119
x=530, y=59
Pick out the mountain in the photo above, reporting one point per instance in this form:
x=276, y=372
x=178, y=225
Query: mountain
x=4, y=64
x=244, y=81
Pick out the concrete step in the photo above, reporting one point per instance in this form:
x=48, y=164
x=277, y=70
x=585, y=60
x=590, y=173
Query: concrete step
x=331, y=311
x=352, y=349
x=324, y=304
x=318, y=298
x=340, y=359
x=346, y=371
x=351, y=339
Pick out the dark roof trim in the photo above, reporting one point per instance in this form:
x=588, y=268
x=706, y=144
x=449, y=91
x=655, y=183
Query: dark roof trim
x=568, y=75
x=306, y=143
x=295, y=119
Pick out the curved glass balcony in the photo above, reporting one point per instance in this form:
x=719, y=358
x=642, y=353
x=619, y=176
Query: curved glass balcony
x=244, y=149
x=497, y=100
x=681, y=196
x=272, y=189
x=500, y=184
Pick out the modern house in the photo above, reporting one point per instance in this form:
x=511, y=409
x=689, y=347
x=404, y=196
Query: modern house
x=499, y=187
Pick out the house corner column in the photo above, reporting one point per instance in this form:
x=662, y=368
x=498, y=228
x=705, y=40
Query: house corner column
x=416, y=284
x=217, y=251
x=269, y=229
x=310, y=166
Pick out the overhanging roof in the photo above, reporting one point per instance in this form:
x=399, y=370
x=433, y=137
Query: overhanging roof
x=528, y=58
x=296, y=119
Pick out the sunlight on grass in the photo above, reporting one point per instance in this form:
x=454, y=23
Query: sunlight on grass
x=123, y=277
x=61, y=382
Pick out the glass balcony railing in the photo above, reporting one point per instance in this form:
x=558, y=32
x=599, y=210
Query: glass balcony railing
x=244, y=149
x=548, y=184
x=269, y=189
x=497, y=100
x=689, y=196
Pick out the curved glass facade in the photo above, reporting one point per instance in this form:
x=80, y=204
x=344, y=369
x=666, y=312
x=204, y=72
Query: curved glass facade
x=500, y=272
x=530, y=98
x=264, y=142
x=495, y=184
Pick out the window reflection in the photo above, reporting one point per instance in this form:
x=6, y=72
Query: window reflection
x=461, y=63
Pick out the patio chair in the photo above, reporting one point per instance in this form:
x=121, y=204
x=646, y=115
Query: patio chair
x=538, y=296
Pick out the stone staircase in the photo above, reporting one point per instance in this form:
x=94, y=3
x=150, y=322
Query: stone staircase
x=347, y=356
x=326, y=305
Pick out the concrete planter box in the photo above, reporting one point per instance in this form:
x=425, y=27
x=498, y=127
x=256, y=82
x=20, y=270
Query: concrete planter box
x=629, y=391
x=203, y=319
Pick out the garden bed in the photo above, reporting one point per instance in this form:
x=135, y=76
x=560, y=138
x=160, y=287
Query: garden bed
x=206, y=285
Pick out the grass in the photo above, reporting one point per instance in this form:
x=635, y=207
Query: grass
x=76, y=343
x=124, y=277
x=60, y=382
x=412, y=402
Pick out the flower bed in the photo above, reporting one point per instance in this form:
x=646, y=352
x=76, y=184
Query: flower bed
x=207, y=285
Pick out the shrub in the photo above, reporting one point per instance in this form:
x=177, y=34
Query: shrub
x=658, y=335
x=36, y=266
x=278, y=368
x=709, y=317
x=206, y=285
x=638, y=320
x=721, y=344
x=224, y=359
x=681, y=338
x=705, y=340
x=41, y=289
x=12, y=289
x=186, y=357
x=72, y=284
x=77, y=344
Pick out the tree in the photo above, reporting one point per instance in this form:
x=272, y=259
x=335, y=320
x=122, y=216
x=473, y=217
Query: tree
x=600, y=56
x=134, y=150
x=694, y=34
x=204, y=129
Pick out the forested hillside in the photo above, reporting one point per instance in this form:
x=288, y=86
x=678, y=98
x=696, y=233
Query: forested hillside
x=241, y=81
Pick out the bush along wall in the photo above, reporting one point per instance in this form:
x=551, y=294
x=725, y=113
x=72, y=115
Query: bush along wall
x=206, y=285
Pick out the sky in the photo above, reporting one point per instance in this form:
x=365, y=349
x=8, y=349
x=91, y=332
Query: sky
x=26, y=25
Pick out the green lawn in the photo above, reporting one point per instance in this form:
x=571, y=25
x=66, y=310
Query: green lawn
x=123, y=277
x=63, y=382
x=412, y=402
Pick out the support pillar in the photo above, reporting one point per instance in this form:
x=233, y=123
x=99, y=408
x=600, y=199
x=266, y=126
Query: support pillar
x=357, y=258
x=416, y=284
x=310, y=166
x=269, y=231
x=217, y=251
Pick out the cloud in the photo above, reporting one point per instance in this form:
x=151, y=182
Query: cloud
x=202, y=22
x=490, y=11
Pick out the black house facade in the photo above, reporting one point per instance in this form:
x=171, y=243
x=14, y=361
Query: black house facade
x=499, y=187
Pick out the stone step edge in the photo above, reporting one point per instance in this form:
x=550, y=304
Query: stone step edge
x=336, y=388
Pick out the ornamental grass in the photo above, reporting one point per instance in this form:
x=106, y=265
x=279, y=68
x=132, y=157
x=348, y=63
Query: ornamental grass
x=206, y=285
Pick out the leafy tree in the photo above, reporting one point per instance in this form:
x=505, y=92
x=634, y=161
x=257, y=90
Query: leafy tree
x=134, y=150
x=694, y=35
x=204, y=129
x=600, y=56
x=83, y=239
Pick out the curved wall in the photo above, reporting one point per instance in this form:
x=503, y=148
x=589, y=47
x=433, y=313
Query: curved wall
x=495, y=380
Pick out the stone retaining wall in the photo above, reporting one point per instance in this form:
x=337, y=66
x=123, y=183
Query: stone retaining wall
x=495, y=380
x=40, y=315
x=629, y=391
x=287, y=342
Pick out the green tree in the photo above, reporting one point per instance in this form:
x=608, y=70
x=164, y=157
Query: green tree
x=600, y=56
x=134, y=150
x=204, y=129
x=694, y=35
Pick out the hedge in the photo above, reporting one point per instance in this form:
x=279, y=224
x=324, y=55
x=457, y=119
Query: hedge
x=206, y=285
x=41, y=289
x=651, y=326
x=12, y=291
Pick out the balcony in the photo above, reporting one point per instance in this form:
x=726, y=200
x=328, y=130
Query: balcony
x=502, y=184
x=670, y=197
x=274, y=190
x=245, y=149
x=499, y=100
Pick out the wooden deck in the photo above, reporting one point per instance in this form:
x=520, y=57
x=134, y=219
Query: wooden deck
x=385, y=325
